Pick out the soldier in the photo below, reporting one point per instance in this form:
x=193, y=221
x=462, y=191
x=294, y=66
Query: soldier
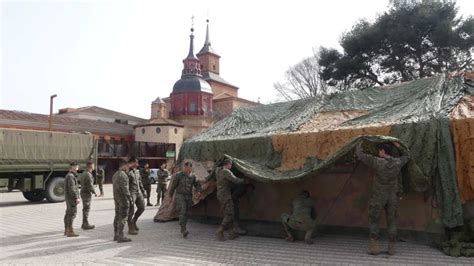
x=183, y=184
x=87, y=189
x=225, y=179
x=238, y=191
x=145, y=175
x=163, y=176
x=302, y=218
x=100, y=175
x=384, y=192
x=122, y=200
x=137, y=191
x=71, y=192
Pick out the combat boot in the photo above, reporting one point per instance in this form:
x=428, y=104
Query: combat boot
x=116, y=237
x=308, y=237
x=135, y=226
x=239, y=230
x=232, y=234
x=86, y=225
x=65, y=230
x=131, y=229
x=70, y=232
x=391, y=248
x=374, y=248
x=184, y=231
x=123, y=239
x=220, y=233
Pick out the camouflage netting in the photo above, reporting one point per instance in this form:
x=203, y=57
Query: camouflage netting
x=417, y=111
x=415, y=179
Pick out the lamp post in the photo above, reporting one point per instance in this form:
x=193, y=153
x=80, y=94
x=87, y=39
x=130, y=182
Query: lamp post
x=51, y=111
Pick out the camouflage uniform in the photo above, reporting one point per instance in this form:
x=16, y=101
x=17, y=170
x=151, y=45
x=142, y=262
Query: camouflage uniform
x=386, y=186
x=87, y=189
x=100, y=175
x=137, y=191
x=145, y=176
x=183, y=185
x=302, y=217
x=161, y=187
x=122, y=200
x=225, y=179
x=72, y=194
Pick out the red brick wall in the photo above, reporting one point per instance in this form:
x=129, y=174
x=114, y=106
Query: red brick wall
x=218, y=88
x=209, y=62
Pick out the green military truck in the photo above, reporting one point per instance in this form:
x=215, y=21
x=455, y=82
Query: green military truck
x=35, y=162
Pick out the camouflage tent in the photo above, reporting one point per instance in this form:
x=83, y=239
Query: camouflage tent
x=281, y=142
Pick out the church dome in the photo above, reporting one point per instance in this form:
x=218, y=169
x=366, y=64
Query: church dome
x=191, y=83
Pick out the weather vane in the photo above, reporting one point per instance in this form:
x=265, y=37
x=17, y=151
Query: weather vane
x=192, y=21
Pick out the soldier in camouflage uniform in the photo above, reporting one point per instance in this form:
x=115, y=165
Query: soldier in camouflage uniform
x=87, y=189
x=100, y=176
x=122, y=200
x=225, y=179
x=71, y=191
x=163, y=176
x=183, y=184
x=385, y=192
x=145, y=176
x=302, y=218
x=138, y=192
x=238, y=191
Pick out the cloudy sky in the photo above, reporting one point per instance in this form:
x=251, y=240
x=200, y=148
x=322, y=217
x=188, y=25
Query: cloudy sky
x=121, y=55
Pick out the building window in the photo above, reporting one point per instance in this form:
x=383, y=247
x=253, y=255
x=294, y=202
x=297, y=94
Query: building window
x=175, y=131
x=214, y=67
x=143, y=130
x=158, y=130
x=192, y=107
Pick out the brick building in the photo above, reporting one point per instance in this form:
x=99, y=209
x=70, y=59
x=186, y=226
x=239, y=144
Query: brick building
x=201, y=96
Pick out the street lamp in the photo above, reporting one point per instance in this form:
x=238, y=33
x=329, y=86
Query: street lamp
x=51, y=112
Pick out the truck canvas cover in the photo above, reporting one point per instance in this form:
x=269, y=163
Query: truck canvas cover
x=28, y=150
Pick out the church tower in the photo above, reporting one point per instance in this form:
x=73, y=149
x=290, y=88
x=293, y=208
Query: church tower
x=191, y=99
x=210, y=68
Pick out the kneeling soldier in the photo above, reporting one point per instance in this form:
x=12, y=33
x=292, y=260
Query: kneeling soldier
x=302, y=218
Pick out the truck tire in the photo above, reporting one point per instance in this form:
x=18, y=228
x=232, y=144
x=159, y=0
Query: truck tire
x=55, y=190
x=35, y=195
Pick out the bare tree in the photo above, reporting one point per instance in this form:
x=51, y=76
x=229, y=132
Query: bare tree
x=302, y=80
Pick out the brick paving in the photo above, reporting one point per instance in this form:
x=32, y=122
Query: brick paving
x=32, y=233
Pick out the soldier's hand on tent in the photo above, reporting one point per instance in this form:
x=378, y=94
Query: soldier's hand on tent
x=396, y=144
x=78, y=201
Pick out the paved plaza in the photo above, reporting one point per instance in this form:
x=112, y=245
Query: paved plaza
x=32, y=233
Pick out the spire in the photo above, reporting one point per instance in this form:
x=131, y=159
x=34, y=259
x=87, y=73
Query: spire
x=191, y=62
x=191, y=46
x=207, y=43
